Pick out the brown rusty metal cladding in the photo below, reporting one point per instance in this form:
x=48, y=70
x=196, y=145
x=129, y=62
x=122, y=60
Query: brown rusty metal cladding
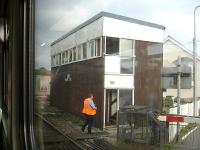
x=71, y=83
x=148, y=65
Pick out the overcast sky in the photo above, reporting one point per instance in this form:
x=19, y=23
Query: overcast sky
x=56, y=17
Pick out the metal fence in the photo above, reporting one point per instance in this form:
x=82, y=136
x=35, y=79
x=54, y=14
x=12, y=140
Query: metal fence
x=139, y=124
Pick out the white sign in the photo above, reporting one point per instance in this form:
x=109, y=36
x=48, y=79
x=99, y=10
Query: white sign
x=68, y=78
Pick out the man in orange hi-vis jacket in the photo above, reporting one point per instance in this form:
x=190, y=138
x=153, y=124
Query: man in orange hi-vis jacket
x=89, y=110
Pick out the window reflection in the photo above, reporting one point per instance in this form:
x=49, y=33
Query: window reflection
x=80, y=52
x=148, y=75
x=126, y=65
x=84, y=51
x=126, y=48
x=74, y=54
x=112, y=45
x=125, y=98
x=121, y=65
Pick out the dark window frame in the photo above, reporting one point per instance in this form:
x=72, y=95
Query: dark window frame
x=112, y=45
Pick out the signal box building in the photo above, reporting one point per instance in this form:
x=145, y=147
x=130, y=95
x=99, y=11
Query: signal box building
x=118, y=59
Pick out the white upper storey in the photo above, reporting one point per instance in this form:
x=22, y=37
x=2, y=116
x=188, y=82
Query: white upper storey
x=107, y=24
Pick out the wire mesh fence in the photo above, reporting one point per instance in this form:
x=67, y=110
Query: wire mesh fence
x=139, y=124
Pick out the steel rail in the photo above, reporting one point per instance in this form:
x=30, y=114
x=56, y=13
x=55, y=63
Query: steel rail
x=66, y=136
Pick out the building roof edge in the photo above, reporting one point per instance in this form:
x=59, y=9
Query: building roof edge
x=110, y=15
x=180, y=45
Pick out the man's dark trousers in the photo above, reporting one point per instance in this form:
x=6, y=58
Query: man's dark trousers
x=88, y=121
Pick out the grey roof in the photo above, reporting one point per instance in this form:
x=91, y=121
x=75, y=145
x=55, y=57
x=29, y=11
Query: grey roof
x=110, y=15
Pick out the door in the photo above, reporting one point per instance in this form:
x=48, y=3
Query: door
x=111, y=105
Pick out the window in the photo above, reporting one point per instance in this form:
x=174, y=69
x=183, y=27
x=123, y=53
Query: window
x=126, y=65
x=92, y=48
x=80, y=49
x=125, y=98
x=63, y=57
x=126, y=48
x=70, y=55
x=52, y=61
x=59, y=59
x=84, y=50
x=66, y=57
x=98, y=47
x=112, y=45
x=74, y=54
x=126, y=56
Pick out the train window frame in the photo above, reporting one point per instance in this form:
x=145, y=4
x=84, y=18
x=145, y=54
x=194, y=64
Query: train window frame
x=18, y=125
x=90, y=49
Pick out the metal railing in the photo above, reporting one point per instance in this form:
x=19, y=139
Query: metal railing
x=139, y=124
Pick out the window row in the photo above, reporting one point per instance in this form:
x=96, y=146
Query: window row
x=84, y=51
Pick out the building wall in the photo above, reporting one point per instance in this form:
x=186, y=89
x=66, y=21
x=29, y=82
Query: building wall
x=113, y=78
x=71, y=84
x=148, y=65
x=171, y=51
x=88, y=75
x=124, y=29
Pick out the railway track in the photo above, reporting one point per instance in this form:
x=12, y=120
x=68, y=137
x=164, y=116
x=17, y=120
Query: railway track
x=53, y=139
x=57, y=138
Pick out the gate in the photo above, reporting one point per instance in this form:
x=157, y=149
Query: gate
x=139, y=124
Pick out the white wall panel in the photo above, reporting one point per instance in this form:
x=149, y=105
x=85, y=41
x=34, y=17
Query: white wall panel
x=85, y=34
x=112, y=64
x=119, y=81
x=123, y=29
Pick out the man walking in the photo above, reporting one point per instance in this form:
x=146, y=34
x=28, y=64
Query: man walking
x=89, y=110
